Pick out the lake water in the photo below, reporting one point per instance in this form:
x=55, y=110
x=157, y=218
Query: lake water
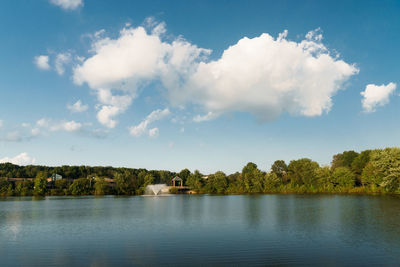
x=283, y=230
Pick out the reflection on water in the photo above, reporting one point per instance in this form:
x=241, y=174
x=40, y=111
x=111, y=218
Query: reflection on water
x=318, y=230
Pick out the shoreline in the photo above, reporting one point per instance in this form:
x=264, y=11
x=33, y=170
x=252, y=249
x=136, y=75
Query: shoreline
x=215, y=194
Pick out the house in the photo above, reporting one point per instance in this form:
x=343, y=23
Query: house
x=177, y=179
x=54, y=177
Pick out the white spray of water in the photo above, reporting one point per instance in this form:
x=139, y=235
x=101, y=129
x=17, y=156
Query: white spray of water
x=155, y=189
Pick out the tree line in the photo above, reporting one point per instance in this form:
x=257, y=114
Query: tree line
x=370, y=171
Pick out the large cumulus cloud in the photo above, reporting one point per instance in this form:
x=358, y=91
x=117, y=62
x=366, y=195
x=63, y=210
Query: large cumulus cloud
x=265, y=76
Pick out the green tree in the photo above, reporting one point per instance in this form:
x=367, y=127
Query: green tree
x=5, y=188
x=126, y=182
x=252, y=179
x=280, y=169
x=62, y=184
x=324, y=178
x=343, y=177
x=40, y=186
x=217, y=183
x=303, y=171
x=344, y=159
x=148, y=179
x=100, y=186
x=184, y=174
x=80, y=186
x=384, y=169
x=23, y=188
x=272, y=182
x=195, y=181
x=360, y=162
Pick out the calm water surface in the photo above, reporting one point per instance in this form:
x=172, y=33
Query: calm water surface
x=285, y=230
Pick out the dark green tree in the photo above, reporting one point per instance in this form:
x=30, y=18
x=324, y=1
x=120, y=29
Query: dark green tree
x=5, y=187
x=80, y=186
x=184, y=174
x=195, y=181
x=126, y=182
x=252, y=179
x=303, y=172
x=343, y=177
x=280, y=169
x=217, y=183
x=384, y=169
x=344, y=159
x=40, y=186
x=100, y=186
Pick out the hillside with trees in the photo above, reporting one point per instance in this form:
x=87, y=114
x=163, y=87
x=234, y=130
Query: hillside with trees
x=370, y=171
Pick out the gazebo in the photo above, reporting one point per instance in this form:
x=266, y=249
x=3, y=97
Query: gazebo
x=177, y=179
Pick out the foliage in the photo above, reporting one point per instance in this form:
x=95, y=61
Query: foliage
x=384, y=169
x=126, y=183
x=23, y=188
x=344, y=159
x=252, y=179
x=343, y=177
x=81, y=186
x=272, y=182
x=217, y=183
x=184, y=175
x=195, y=181
x=360, y=162
x=4, y=187
x=303, y=172
x=280, y=169
x=40, y=186
x=370, y=171
x=100, y=186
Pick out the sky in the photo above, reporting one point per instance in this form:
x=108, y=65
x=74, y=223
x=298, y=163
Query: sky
x=207, y=85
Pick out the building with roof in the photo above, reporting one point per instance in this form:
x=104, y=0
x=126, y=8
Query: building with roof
x=176, y=180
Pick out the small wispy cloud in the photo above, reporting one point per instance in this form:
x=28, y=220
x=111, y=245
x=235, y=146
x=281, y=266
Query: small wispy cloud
x=209, y=116
x=141, y=128
x=61, y=60
x=78, y=107
x=42, y=62
x=67, y=4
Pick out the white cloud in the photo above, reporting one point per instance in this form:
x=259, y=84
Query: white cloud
x=21, y=159
x=35, y=131
x=61, y=60
x=78, y=107
x=376, y=95
x=42, y=62
x=67, y=4
x=43, y=122
x=47, y=124
x=154, y=132
x=14, y=136
x=141, y=128
x=137, y=57
x=266, y=77
x=69, y=126
x=111, y=106
x=18, y=135
x=209, y=116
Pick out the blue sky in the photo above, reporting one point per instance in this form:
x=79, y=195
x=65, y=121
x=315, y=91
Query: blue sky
x=207, y=85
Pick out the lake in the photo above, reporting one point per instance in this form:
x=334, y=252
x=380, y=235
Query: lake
x=246, y=230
